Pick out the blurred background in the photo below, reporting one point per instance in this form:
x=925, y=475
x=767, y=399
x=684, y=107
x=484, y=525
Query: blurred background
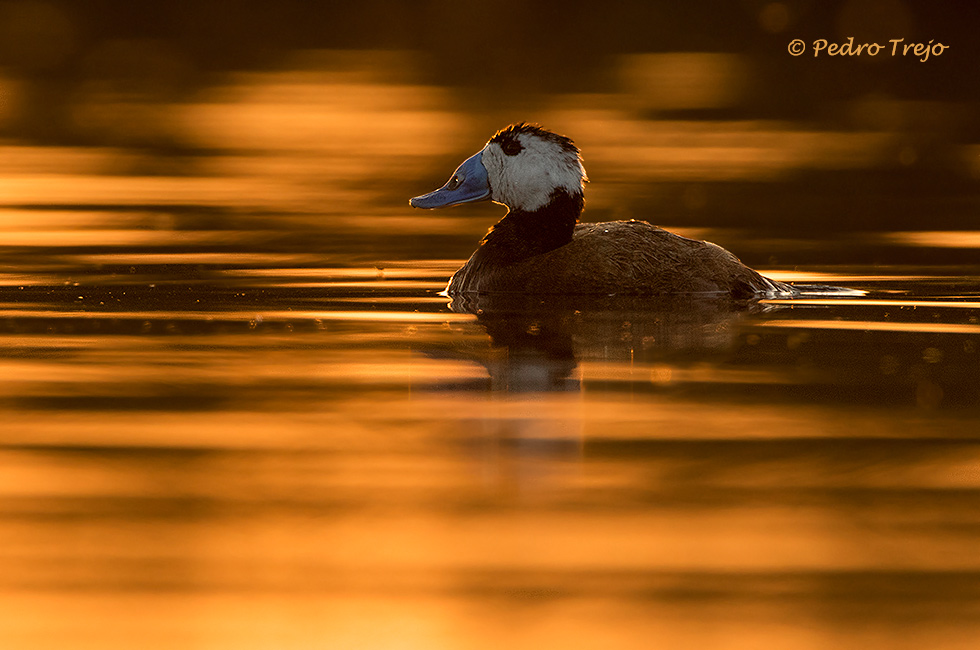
x=235, y=412
x=687, y=115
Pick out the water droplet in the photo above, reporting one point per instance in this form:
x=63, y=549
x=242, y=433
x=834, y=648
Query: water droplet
x=889, y=364
x=932, y=355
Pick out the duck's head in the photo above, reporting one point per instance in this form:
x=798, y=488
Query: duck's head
x=523, y=167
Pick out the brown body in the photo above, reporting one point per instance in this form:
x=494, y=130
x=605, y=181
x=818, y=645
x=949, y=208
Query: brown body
x=616, y=257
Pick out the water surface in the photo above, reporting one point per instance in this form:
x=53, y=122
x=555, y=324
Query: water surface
x=237, y=412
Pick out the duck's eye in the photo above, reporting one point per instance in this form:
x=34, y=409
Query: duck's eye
x=454, y=182
x=512, y=147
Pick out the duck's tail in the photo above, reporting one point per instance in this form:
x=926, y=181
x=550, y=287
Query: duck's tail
x=784, y=290
x=804, y=290
x=777, y=289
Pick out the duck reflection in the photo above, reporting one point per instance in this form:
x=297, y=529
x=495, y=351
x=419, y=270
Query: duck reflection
x=537, y=343
x=853, y=351
x=543, y=353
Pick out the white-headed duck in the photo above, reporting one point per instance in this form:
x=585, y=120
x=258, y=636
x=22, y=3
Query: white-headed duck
x=539, y=246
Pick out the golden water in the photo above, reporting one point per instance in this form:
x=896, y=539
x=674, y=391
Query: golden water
x=235, y=412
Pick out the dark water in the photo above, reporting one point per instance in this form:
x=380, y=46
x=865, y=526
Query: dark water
x=236, y=412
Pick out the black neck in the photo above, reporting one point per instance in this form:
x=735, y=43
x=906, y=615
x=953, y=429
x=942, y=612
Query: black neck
x=521, y=234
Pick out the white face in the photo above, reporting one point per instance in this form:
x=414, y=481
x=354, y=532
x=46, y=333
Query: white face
x=526, y=180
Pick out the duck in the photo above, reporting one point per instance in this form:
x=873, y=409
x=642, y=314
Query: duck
x=540, y=246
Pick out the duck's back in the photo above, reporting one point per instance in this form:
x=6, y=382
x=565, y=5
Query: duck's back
x=616, y=257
